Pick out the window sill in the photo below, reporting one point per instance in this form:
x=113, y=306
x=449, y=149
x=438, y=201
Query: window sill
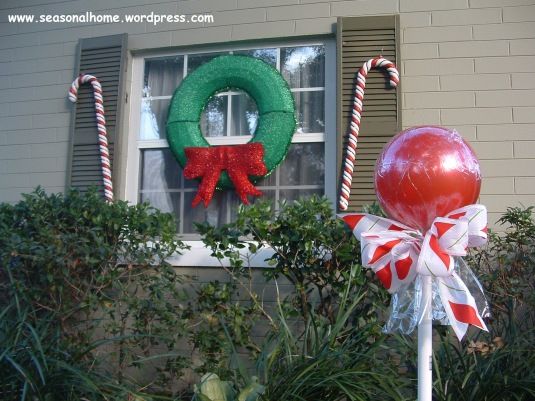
x=200, y=256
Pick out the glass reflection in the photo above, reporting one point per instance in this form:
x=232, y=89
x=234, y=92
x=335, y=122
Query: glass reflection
x=244, y=115
x=304, y=165
x=290, y=195
x=196, y=60
x=215, y=213
x=159, y=170
x=303, y=67
x=214, y=117
x=148, y=126
x=163, y=75
x=268, y=181
x=310, y=111
x=168, y=202
x=158, y=108
x=267, y=55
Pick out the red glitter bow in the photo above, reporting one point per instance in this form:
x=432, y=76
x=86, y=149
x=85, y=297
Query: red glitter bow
x=239, y=161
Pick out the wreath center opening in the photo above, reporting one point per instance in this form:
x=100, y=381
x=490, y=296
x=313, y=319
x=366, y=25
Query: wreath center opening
x=229, y=113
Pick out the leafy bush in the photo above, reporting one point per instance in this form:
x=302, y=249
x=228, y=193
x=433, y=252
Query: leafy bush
x=498, y=365
x=325, y=340
x=328, y=360
x=91, y=289
x=308, y=241
x=221, y=324
x=35, y=364
x=506, y=269
x=484, y=370
x=88, y=305
x=313, y=250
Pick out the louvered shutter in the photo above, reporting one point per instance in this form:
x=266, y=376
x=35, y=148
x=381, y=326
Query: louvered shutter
x=104, y=57
x=358, y=40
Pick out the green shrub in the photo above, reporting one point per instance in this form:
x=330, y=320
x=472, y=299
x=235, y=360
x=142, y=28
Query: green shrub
x=89, y=280
x=221, y=324
x=36, y=365
x=499, y=365
x=481, y=369
x=325, y=340
x=312, y=248
x=328, y=360
x=88, y=303
x=315, y=252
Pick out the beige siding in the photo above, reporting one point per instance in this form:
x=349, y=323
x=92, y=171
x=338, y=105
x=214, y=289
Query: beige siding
x=465, y=63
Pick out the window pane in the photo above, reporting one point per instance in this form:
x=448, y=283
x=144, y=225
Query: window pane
x=304, y=165
x=300, y=174
x=215, y=213
x=163, y=75
x=234, y=204
x=196, y=60
x=159, y=170
x=153, y=118
x=267, y=55
x=168, y=202
x=268, y=195
x=244, y=115
x=189, y=184
x=290, y=195
x=214, y=116
x=269, y=181
x=310, y=111
x=303, y=67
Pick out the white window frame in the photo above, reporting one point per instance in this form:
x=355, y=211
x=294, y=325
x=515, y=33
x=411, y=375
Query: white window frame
x=199, y=255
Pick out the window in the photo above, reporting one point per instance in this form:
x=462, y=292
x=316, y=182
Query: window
x=231, y=117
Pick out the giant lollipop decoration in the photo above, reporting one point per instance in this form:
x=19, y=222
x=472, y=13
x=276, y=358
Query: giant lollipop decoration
x=427, y=180
x=426, y=172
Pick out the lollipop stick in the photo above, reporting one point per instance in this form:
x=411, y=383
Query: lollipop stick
x=425, y=343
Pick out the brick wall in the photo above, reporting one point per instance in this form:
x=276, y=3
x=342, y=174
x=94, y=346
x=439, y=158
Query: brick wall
x=467, y=64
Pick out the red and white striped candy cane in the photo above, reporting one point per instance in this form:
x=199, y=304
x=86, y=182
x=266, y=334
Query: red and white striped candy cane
x=101, y=127
x=349, y=162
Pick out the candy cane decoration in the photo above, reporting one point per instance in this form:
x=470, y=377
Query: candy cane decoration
x=101, y=127
x=349, y=162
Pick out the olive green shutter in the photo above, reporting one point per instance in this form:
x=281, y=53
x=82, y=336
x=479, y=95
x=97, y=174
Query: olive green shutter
x=104, y=57
x=358, y=40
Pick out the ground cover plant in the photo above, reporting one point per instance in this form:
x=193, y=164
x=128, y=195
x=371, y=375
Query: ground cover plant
x=86, y=295
x=308, y=242
x=498, y=365
x=89, y=309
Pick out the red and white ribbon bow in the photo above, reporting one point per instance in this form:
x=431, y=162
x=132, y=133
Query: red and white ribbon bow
x=397, y=253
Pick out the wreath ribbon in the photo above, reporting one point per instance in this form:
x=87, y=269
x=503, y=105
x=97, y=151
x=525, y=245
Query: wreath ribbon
x=398, y=253
x=239, y=161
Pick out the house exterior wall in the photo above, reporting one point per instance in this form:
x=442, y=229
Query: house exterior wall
x=466, y=64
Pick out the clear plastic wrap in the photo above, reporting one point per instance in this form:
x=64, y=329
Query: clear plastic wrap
x=406, y=310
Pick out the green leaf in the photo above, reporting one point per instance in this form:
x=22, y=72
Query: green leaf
x=213, y=388
x=252, y=392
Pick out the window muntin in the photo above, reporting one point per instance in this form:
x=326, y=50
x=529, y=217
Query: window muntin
x=231, y=117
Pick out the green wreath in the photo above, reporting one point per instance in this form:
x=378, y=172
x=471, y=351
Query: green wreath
x=276, y=109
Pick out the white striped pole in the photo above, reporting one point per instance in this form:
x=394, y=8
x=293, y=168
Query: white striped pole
x=349, y=162
x=425, y=342
x=101, y=127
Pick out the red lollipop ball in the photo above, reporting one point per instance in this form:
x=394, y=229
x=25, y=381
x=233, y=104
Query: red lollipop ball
x=424, y=173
